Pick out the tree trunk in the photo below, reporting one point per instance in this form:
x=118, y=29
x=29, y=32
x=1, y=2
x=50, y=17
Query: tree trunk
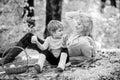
x=53, y=12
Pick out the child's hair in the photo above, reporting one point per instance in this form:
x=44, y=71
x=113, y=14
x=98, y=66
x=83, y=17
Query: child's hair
x=53, y=25
x=87, y=25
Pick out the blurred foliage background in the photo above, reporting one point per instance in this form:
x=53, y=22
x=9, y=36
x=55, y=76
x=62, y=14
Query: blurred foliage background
x=12, y=27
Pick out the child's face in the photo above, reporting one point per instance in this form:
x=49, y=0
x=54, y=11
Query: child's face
x=82, y=24
x=79, y=27
x=58, y=33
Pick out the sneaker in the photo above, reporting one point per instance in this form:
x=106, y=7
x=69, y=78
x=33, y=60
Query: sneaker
x=37, y=68
x=59, y=69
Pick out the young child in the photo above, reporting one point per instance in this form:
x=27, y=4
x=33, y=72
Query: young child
x=80, y=41
x=54, y=49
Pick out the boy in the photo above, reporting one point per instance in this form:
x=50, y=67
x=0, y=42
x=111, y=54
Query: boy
x=53, y=48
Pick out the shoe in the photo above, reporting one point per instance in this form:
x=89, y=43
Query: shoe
x=59, y=69
x=37, y=68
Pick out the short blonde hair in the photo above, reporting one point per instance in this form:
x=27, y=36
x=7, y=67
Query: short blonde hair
x=53, y=25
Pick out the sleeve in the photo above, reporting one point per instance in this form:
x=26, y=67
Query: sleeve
x=46, y=43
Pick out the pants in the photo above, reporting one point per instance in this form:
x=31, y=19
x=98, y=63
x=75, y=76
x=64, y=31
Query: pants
x=26, y=42
x=53, y=60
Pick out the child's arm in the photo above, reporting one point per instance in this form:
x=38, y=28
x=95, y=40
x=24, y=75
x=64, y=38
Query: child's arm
x=43, y=46
x=70, y=17
x=72, y=14
x=65, y=39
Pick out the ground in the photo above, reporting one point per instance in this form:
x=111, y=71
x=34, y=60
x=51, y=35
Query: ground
x=106, y=32
x=106, y=67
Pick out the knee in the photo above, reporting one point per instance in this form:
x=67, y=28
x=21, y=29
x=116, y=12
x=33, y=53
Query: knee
x=29, y=34
x=25, y=39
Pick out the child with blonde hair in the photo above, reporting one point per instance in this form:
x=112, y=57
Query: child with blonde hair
x=80, y=41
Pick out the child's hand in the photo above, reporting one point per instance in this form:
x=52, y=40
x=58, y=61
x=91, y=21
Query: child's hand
x=65, y=38
x=34, y=39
